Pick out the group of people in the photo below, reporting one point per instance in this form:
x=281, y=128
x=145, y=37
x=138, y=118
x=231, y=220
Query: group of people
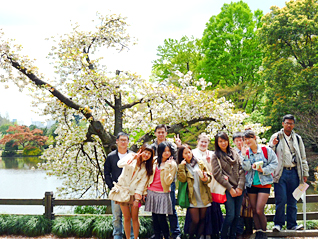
x=246, y=170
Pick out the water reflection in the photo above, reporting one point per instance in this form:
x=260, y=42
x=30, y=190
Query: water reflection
x=20, y=178
x=19, y=162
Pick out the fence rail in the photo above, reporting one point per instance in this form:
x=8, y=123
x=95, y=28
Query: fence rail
x=49, y=202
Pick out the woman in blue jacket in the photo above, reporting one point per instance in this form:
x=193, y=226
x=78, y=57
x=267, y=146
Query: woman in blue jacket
x=259, y=163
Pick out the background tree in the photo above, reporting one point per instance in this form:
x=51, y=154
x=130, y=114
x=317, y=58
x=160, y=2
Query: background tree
x=92, y=106
x=289, y=38
x=10, y=149
x=232, y=56
x=22, y=135
x=174, y=55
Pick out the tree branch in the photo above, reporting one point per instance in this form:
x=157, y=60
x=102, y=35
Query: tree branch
x=127, y=106
x=171, y=129
x=95, y=126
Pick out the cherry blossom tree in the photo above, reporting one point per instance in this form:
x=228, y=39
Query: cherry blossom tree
x=92, y=106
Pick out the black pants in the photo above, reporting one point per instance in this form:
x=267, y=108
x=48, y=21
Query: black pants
x=160, y=224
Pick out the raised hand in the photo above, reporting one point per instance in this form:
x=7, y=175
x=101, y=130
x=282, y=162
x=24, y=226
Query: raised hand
x=208, y=156
x=177, y=140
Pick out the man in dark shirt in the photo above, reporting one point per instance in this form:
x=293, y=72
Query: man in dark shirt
x=112, y=172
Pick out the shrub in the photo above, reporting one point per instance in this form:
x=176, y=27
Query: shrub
x=181, y=220
x=15, y=224
x=62, y=227
x=8, y=153
x=146, y=228
x=103, y=227
x=91, y=210
x=36, y=226
x=312, y=225
x=3, y=224
x=83, y=226
x=31, y=151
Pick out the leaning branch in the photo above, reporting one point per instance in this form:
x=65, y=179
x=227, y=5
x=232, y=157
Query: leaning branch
x=127, y=106
x=95, y=126
x=175, y=128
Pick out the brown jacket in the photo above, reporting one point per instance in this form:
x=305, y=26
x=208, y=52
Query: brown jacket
x=231, y=167
x=184, y=176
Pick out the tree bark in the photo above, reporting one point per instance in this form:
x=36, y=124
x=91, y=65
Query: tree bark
x=95, y=127
x=118, y=127
x=175, y=128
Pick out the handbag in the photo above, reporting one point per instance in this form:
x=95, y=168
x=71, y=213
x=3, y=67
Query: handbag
x=246, y=209
x=183, y=196
x=119, y=193
x=217, y=190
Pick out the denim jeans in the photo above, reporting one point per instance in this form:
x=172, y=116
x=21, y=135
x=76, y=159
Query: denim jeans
x=241, y=221
x=233, y=209
x=118, y=231
x=286, y=185
x=173, y=219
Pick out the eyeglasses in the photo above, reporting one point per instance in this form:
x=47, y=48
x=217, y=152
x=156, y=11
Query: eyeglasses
x=123, y=140
x=290, y=124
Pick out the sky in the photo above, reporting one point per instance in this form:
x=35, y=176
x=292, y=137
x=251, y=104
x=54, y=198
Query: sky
x=31, y=22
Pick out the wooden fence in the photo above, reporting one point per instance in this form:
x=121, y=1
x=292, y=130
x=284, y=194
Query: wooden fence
x=49, y=202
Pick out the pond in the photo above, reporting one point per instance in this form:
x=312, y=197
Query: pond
x=20, y=179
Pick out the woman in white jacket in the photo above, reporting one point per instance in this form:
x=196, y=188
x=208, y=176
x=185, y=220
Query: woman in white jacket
x=137, y=168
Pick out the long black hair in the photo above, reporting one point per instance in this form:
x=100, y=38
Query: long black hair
x=180, y=155
x=149, y=162
x=218, y=151
x=161, y=148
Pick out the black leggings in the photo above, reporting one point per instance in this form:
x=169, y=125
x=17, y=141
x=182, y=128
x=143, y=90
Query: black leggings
x=258, y=202
x=160, y=224
x=197, y=225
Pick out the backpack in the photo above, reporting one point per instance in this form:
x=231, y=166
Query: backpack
x=297, y=136
x=264, y=149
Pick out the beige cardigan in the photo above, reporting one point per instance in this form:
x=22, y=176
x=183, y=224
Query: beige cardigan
x=137, y=182
x=167, y=175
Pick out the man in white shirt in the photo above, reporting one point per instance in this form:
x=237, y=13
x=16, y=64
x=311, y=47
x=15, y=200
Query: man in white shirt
x=238, y=140
x=292, y=170
x=247, y=222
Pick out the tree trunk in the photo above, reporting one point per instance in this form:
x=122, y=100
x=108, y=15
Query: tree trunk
x=118, y=114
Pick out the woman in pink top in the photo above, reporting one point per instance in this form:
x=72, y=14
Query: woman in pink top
x=158, y=198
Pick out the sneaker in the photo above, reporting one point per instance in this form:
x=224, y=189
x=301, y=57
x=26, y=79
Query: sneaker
x=264, y=235
x=297, y=227
x=277, y=228
x=259, y=235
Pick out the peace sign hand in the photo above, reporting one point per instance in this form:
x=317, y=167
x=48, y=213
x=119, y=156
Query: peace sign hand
x=208, y=157
x=177, y=140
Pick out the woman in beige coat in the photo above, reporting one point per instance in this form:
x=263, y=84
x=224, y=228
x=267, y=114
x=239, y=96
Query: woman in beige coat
x=137, y=168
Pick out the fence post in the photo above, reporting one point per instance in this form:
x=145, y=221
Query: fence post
x=48, y=204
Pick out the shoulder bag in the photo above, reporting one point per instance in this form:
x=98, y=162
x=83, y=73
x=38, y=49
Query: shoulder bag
x=218, y=191
x=119, y=193
x=183, y=196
